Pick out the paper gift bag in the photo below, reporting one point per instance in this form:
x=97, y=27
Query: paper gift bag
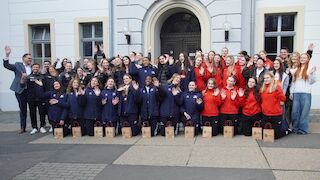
x=76, y=129
x=228, y=129
x=110, y=130
x=207, y=130
x=126, y=130
x=169, y=130
x=257, y=131
x=146, y=130
x=189, y=130
x=268, y=133
x=58, y=131
x=98, y=129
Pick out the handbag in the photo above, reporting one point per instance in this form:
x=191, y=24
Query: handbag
x=228, y=129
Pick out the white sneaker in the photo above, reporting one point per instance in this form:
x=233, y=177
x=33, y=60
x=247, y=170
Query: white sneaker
x=50, y=130
x=43, y=130
x=34, y=130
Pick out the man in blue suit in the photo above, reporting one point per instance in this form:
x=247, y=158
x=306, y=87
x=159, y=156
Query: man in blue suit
x=21, y=70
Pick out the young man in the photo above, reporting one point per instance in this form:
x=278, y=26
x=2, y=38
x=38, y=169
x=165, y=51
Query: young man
x=34, y=91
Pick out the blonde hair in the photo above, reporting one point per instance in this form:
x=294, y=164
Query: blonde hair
x=290, y=63
x=172, y=78
x=272, y=86
x=231, y=66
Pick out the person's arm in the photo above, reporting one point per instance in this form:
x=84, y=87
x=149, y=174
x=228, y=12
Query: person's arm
x=310, y=49
x=6, y=63
x=285, y=85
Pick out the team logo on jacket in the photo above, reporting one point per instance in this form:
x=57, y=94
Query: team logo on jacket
x=152, y=72
x=54, y=95
x=144, y=91
x=90, y=93
x=113, y=94
x=61, y=96
x=106, y=94
x=187, y=96
x=151, y=89
x=195, y=96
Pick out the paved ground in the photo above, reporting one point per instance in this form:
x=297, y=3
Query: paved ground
x=40, y=156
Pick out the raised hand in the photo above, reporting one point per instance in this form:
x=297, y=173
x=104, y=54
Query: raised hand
x=311, y=46
x=104, y=101
x=233, y=95
x=199, y=101
x=39, y=82
x=135, y=85
x=216, y=92
x=115, y=100
x=7, y=50
x=240, y=92
x=313, y=70
x=223, y=94
x=201, y=71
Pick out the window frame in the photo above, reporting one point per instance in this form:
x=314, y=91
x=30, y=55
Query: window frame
x=42, y=42
x=279, y=33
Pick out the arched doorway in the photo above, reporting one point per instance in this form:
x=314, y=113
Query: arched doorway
x=160, y=11
x=181, y=32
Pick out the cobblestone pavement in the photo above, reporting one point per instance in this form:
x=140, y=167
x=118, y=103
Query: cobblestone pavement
x=41, y=156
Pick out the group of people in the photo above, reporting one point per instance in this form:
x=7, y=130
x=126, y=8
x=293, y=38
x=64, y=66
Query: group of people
x=130, y=91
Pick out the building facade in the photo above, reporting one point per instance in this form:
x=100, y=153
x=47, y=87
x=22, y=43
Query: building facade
x=51, y=29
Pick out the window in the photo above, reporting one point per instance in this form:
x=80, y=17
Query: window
x=90, y=35
x=41, y=45
x=279, y=32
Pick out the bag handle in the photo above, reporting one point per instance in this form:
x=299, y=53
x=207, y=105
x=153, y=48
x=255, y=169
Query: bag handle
x=189, y=123
x=58, y=125
x=228, y=123
x=268, y=126
x=109, y=124
x=125, y=124
x=207, y=123
x=257, y=124
x=75, y=124
x=169, y=123
x=97, y=124
x=145, y=124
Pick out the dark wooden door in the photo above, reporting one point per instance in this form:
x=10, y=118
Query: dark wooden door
x=180, y=33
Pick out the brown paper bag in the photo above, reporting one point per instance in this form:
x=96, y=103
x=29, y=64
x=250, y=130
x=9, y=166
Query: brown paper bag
x=58, y=132
x=146, y=130
x=207, y=130
x=126, y=130
x=76, y=130
x=110, y=130
x=228, y=129
x=257, y=131
x=98, y=129
x=169, y=130
x=189, y=130
x=268, y=133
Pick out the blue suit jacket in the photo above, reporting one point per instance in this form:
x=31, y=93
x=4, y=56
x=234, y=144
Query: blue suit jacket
x=18, y=68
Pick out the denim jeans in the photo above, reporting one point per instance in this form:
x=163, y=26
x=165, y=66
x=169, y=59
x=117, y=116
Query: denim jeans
x=300, y=112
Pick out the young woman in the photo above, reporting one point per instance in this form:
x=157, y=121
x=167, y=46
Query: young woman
x=57, y=110
x=50, y=78
x=170, y=96
x=268, y=64
x=165, y=71
x=192, y=106
x=110, y=99
x=242, y=83
x=185, y=70
x=104, y=72
x=300, y=92
x=214, y=70
x=251, y=110
x=91, y=65
x=128, y=110
x=74, y=109
x=230, y=70
x=90, y=100
x=258, y=72
x=142, y=72
x=200, y=74
x=149, y=103
x=82, y=76
x=230, y=103
x=271, y=96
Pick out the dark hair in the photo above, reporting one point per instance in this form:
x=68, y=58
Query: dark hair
x=285, y=48
x=244, y=53
x=255, y=90
x=26, y=54
x=280, y=70
x=133, y=52
x=47, y=61
x=35, y=64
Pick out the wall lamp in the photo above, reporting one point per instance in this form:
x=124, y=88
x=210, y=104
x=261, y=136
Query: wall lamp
x=226, y=27
x=127, y=35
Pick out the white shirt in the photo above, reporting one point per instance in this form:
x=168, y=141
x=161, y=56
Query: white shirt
x=258, y=72
x=28, y=69
x=148, y=89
